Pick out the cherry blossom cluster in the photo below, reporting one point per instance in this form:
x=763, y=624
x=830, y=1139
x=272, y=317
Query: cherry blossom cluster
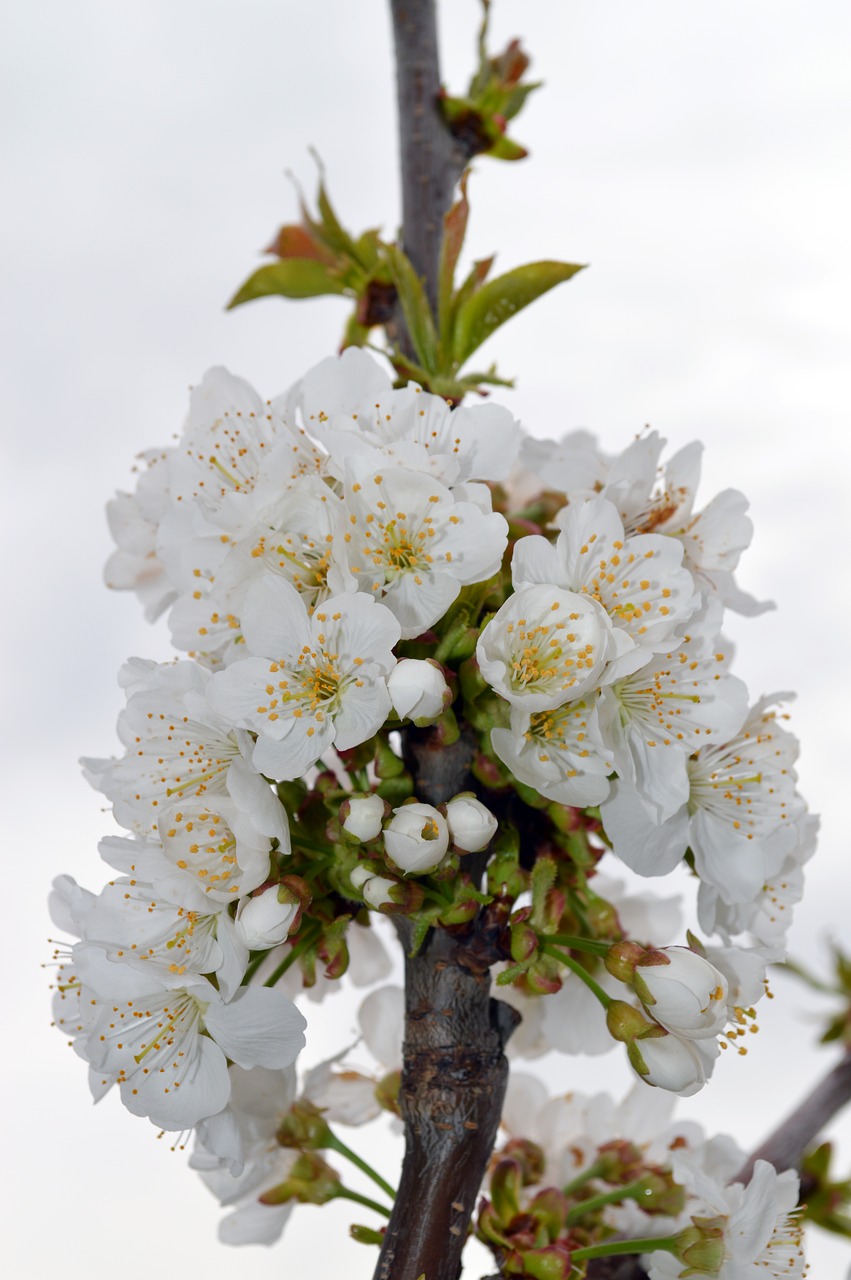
x=358, y=574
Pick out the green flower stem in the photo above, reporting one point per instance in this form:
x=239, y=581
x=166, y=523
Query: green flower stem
x=454, y=633
x=345, y=1194
x=570, y=963
x=253, y=966
x=304, y=842
x=298, y=949
x=612, y=1247
x=340, y=1147
x=317, y=867
x=576, y=1184
x=632, y=1191
x=588, y=945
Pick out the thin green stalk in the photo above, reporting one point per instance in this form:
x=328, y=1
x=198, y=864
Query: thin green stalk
x=577, y=1183
x=298, y=949
x=340, y=1147
x=587, y=945
x=304, y=842
x=613, y=1247
x=632, y=1191
x=345, y=1194
x=316, y=868
x=570, y=963
x=253, y=966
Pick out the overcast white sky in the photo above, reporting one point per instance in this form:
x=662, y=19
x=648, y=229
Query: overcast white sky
x=696, y=154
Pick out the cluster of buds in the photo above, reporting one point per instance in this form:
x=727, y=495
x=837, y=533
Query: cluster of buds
x=536, y=1234
x=417, y=837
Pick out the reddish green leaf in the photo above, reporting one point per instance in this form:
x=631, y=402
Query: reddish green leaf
x=454, y=230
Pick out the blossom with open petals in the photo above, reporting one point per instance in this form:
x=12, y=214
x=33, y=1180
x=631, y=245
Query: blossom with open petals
x=308, y=682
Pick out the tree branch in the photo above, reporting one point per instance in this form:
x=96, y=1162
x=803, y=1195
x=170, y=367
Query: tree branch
x=432, y=160
x=454, y=1071
x=785, y=1147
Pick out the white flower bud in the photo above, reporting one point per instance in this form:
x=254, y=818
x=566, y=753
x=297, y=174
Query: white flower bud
x=471, y=825
x=672, y=1063
x=416, y=837
x=376, y=891
x=264, y=921
x=688, y=995
x=360, y=874
x=418, y=690
x=364, y=818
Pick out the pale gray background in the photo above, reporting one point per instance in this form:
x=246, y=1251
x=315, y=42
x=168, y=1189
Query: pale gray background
x=696, y=154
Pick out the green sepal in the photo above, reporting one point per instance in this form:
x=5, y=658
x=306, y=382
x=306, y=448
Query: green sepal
x=396, y=790
x=509, y=975
x=387, y=763
x=289, y=278
x=481, y=315
x=365, y=1235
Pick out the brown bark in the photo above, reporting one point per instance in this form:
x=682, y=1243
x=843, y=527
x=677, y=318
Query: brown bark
x=453, y=1083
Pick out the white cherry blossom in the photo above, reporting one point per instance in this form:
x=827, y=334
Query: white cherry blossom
x=652, y=720
x=640, y=581
x=767, y=916
x=349, y=404
x=761, y=1227
x=134, y=520
x=176, y=746
x=558, y=752
x=740, y=819
x=410, y=542
x=137, y=925
x=308, y=682
x=148, y=1039
x=547, y=646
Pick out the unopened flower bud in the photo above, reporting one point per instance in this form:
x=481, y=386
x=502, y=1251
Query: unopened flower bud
x=265, y=921
x=660, y=1194
x=310, y=1181
x=360, y=874
x=303, y=1126
x=529, y=1156
x=361, y=817
x=418, y=690
x=625, y=1022
x=393, y=897
x=669, y=1063
x=471, y=825
x=701, y=1246
x=416, y=837
x=684, y=992
x=376, y=891
x=551, y=1262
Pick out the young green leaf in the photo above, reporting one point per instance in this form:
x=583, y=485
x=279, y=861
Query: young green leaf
x=497, y=301
x=415, y=308
x=291, y=278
